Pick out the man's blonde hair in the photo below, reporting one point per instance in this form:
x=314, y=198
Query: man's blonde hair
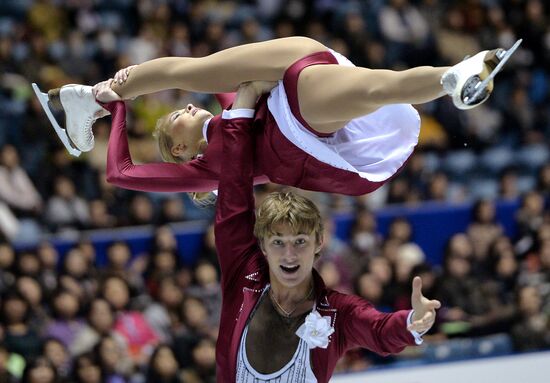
x=291, y=209
x=165, y=143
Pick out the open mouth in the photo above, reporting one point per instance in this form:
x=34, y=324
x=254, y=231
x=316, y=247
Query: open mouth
x=290, y=269
x=194, y=111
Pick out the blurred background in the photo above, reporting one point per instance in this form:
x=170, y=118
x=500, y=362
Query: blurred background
x=100, y=284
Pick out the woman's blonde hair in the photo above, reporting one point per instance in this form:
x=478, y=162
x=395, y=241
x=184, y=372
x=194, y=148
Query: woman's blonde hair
x=165, y=143
x=291, y=209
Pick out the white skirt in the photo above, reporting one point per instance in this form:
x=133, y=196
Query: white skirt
x=375, y=145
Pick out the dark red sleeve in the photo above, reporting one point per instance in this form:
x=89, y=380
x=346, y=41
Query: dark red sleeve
x=157, y=177
x=225, y=99
x=364, y=326
x=234, y=225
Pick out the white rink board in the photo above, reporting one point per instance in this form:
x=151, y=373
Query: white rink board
x=526, y=368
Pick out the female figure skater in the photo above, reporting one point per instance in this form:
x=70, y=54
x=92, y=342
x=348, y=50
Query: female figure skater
x=326, y=126
x=279, y=323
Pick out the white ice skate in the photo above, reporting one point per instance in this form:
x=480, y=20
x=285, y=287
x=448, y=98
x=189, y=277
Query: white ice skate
x=470, y=82
x=81, y=110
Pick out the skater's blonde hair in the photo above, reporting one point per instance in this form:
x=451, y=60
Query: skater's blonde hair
x=165, y=144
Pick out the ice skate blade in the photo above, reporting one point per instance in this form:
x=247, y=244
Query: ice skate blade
x=61, y=133
x=504, y=56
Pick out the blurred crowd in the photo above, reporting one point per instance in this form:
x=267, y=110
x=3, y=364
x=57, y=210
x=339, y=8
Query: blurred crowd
x=151, y=318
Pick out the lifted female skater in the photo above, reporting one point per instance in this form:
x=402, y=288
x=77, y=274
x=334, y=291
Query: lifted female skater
x=326, y=126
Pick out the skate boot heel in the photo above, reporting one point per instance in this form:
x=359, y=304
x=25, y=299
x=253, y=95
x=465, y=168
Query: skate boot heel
x=55, y=100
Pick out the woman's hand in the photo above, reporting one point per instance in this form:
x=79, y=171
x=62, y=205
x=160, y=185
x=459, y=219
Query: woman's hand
x=103, y=93
x=122, y=75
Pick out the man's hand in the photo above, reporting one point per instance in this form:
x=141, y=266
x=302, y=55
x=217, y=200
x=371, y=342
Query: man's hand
x=102, y=92
x=424, y=309
x=262, y=87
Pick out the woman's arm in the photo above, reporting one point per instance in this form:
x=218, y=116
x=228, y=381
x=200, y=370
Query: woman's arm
x=220, y=72
x=158, y=177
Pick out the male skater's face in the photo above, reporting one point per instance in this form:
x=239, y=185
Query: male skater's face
x=290, y=255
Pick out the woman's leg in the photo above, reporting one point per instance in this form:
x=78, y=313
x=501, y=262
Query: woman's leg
x=331, y=95
x=219, y=72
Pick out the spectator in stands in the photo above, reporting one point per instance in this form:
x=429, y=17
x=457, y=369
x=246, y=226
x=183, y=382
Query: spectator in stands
x=40, y=370
x=532, y=330
x=131, y=324
x=56, y=352
x=19, y=337
x=163, y=366
x=49, y=258
x=33, y=293
x=65, y=209
x=7, y=258
x=115, y=365
x=100, y=323
x=86, y=369
x=66, y=323
x=482, y=232
x=162, y=314
x=19, y=193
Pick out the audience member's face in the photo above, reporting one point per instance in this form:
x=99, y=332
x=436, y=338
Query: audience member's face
x=529, y=301
x=165, y=239
x=195, y=313
x=48, y=256
x=64, y=188
x=165, y=261
x=42, y=374
x=75, y=263
x=206, y=274
x=15, y=310
x=116, y=293
x=66, y=305
x=88, y=371
x=29, y=264
x=56, y=353
x=381, y=268
x=101, y=316
x=330, y=274
x=7, y=256
x=30, y=289
x=204, y=354
x=170, y=295
x=165, y=363
x=369, y=288
x=109, y=352
x=459, y=267
x=10, y=158
x=118, y=255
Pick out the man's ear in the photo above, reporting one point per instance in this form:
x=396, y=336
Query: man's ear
x=320, y=243
x=178, y=150
x=261, y=244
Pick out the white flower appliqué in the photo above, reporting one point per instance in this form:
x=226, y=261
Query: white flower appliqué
x=316, y=330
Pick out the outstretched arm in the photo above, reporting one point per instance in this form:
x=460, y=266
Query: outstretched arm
x=219, y=72
x=158, y=177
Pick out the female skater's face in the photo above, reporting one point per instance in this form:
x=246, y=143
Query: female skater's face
x=290, y=255
x=186, y=131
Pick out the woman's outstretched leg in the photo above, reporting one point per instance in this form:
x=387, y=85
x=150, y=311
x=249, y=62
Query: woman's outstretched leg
x=331, y=95
x=219, y=72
